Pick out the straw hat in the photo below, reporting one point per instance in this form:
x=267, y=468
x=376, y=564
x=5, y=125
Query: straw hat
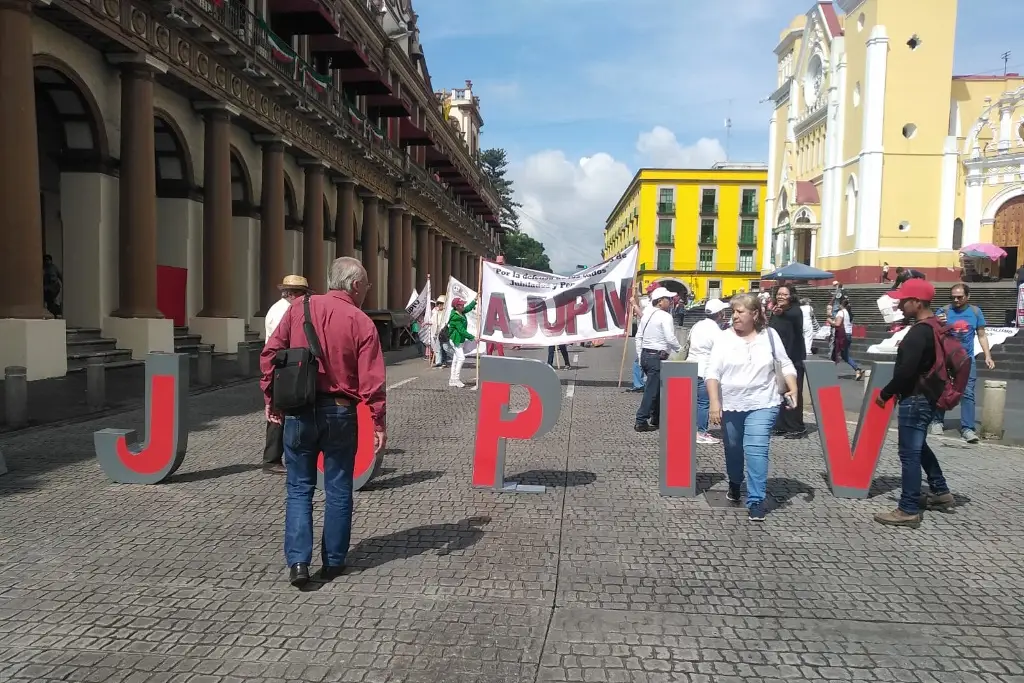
x=441, y=299
x=294, y=282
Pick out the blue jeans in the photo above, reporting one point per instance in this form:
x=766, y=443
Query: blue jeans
x=333, y=430
x=914, y=416
x=563, y=349
x=650, y=404
x=638, y=375
x=746, y=435
x=968, y=408
x=845, y=355
x=703, y=405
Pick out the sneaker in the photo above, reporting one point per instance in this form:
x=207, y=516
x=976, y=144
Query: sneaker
x=734, y=493
x=898, y=517
x=757, y=512
x=936, y=429
x=456, y=383
x=941, y=502
x=704, y=437
x=970, y=436
x=643, y=427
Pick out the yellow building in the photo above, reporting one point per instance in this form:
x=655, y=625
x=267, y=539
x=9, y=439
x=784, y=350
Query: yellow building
x=697, y=227
x=879, y=154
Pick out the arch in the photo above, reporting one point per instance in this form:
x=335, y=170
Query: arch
x=174, y=177
x=984, y=118
x=69, y=101
x=958, y=233
x=328, y=223
x=851, y=204
x=291, y=212
x=241, y=186
x=676, y=286
x=1000, y=198
x=805, y=215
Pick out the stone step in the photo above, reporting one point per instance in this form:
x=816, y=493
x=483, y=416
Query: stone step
x=78, y=361
x=74, y=334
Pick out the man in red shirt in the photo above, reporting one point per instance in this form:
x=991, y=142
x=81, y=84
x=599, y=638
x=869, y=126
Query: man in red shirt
x=351, y=372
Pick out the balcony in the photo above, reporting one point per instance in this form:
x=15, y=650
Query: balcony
x=709, y=209
x=707, y=240
x=664, y=238
x=747, y=240
x=271, y=61
x=749, y=210
x=666, y=208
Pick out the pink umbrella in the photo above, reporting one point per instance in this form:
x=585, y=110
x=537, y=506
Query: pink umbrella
x=989, y=251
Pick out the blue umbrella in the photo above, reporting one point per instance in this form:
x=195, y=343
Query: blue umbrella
x=798, y=271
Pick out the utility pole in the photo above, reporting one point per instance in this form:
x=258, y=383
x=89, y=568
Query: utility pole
x=1006, y=58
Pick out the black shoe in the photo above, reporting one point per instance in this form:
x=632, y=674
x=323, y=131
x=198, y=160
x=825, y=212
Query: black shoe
x=643, y=427
x=779, y=432
x=795, y=435
x=655, y=425
x=329, y=573
x=757, y=512
x=274, y=468
x=734, y=493
x=634, y=390
x=299, y=574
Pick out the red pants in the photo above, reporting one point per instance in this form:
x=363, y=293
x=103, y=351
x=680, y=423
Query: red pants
x=495, y=349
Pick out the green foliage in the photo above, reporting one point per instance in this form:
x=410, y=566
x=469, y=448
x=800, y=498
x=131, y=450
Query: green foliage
x=495, y=165
x=524, y=251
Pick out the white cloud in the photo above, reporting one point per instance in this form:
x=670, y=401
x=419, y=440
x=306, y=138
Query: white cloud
x=565, y=203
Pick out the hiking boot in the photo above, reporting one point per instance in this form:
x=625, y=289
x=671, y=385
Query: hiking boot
x=898, y=517
x=936, y=429
x=941, y=502
x=970, y=436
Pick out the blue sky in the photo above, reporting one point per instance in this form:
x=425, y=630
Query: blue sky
x=582, y=92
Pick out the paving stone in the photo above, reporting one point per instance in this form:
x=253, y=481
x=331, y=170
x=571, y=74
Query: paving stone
x=598, y=578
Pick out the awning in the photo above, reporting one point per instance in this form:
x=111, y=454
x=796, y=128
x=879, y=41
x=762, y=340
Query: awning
x=302, y=17
x=343, y=53
x=411, y=135
x=364, y=81
x=388, y=106
x=807, y=193
x=438, y=160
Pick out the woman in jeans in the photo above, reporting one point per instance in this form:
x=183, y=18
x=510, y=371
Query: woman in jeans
x=745, y=397
x=842, y=324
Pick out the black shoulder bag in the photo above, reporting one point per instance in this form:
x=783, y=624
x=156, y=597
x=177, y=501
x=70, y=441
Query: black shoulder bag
x=295, y=370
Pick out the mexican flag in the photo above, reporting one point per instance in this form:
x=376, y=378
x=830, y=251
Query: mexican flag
x=279, y=49
x=319, y=81
x=377, y=133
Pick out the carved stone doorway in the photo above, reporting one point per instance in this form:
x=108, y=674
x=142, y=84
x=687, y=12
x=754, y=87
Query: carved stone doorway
x=1008, y=233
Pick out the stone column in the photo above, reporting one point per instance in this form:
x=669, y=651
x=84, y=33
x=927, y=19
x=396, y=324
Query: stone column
x=407, y=279
x=345, y=221
x=313, y=227
x=21, y=228
x=217, y=247
x=137, y=191
x=396, y=302
x=424, y=254
x=371, y=245
x=446, y=260
x=271, y=222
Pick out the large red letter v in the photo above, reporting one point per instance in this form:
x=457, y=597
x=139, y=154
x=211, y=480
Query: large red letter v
x=849, y=470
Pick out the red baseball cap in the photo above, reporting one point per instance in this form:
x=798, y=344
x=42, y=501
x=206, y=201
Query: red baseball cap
x=653, y=286
x=922, y=290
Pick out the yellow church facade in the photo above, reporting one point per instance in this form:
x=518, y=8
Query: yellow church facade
x=879, y=154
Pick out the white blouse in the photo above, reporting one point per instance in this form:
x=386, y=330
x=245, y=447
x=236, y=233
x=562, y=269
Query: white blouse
x=746, y=371
x=703, y=336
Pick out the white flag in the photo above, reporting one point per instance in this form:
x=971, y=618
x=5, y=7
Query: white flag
x=457, y=290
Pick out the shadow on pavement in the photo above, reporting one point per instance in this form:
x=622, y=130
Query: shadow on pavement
x=553, y=478
x=401, y=545
x=407, y=479
x=215, y=473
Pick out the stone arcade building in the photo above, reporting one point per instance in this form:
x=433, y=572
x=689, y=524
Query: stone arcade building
x=179, y=157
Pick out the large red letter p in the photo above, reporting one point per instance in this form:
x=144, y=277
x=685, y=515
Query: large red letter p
x=495, y=423
x=166, y=427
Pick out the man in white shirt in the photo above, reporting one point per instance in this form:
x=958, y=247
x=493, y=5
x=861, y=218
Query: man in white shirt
x=702, y=339
x=640, y=306
x=292, y=287
x=655, y=340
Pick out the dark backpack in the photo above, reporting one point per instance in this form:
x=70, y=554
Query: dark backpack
x=293, y=387
x=945, y=383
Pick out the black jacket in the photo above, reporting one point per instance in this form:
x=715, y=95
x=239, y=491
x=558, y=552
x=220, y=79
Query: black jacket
x=914, y=359
x=790, y=326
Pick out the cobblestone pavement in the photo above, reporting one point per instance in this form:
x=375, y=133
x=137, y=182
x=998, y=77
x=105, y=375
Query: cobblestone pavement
x=597, y=579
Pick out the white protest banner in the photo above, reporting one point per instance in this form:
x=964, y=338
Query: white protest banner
x=996, y=336
x=457, y=290
x=890, y=309
x=541, y=309
x=419, y=302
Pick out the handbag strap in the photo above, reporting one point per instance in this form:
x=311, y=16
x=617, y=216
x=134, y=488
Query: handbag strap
x=307, y=326
x=771, y=341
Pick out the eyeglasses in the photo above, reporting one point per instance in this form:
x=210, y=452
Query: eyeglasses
x=958, y=296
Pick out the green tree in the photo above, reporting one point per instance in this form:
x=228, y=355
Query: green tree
x=524, y=251
x=495, y=164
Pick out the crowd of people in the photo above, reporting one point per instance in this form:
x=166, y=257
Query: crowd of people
x=750, y=357
x=323, y=357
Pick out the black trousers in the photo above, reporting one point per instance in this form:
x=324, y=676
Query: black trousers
x=792, y=421
x=273, y=453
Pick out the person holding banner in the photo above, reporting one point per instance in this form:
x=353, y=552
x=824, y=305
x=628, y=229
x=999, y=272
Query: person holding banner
x=655, y=339
x=564, y=350
x=458, y=335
